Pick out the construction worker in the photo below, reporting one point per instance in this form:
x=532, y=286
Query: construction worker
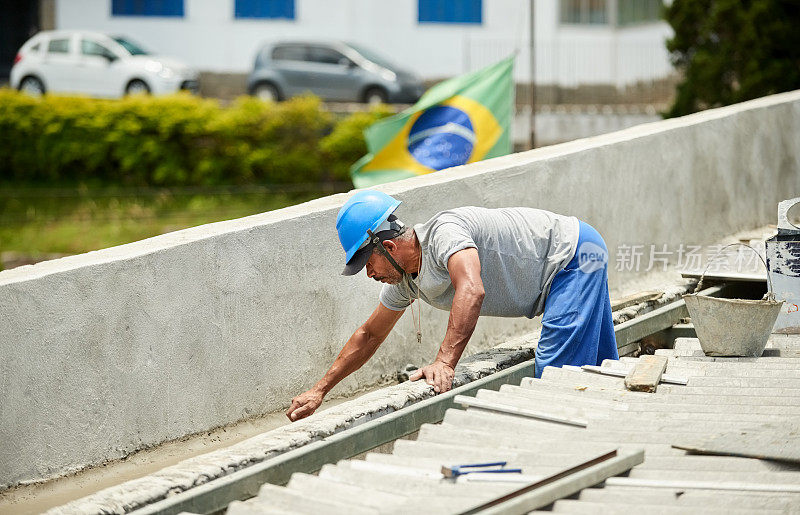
x=509, y=262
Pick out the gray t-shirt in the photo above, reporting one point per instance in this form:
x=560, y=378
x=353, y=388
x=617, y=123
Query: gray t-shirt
x=520, y=250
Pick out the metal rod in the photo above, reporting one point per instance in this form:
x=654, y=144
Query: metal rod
x=472, y=402
x=532, y=90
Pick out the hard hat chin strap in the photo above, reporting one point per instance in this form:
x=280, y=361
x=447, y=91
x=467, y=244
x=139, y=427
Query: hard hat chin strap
x=377, y=241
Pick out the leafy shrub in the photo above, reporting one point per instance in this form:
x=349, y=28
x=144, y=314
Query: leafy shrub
x=729, y=51
x=174, y=140
x=345, y=144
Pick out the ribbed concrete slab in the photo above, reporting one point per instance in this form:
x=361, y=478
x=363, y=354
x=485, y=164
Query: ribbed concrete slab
x=575, y=399
x=400, y=484
x=577, y=376
x=342, y=493
x=721, y=396
x=621, y=418
x=252, y=508
x=788, y=478
x=702, y=368
x=710, y=463
x=552, y=407
x=785, y=406
x=701, y=498
x=555, y=442
x=530, y=462
x=570, y=506
x=457, y=435
x=271, y=496
x=508, y=422
x=680, y=427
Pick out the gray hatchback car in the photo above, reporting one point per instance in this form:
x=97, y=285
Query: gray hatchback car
x=334, y=71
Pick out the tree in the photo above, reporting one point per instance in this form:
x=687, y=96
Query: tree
x=733, y=50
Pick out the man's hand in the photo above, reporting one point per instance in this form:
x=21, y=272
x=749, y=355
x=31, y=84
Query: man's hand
x=305, y=404
x=439, y=374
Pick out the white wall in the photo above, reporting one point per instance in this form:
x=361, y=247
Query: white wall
x=108, y=352
x=209, y=38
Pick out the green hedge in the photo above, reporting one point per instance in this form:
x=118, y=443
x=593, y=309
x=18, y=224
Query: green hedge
x=175, y=140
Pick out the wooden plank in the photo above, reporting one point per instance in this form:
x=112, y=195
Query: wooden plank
x=635, y=298
x=727, y=276
x=647, y=373
x=472, y=402
x=622, y=372
x=767, y=442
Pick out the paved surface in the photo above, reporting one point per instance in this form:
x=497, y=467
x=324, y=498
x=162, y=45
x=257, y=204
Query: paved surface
x=721, y=395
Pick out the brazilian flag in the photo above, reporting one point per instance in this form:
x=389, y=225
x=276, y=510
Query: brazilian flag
x=458, y=121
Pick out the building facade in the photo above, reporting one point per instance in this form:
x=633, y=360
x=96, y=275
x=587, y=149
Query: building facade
x=577, y=42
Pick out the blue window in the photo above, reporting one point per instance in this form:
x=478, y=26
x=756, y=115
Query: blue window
x=264, y=9
x=147, y=8
x=450, y=11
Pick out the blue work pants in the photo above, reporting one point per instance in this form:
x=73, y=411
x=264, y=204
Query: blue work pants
x=577, y=328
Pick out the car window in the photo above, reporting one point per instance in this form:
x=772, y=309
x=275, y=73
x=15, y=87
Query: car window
x=89, y=47
x=58, y=46
x=374, y=57
x=319, y=54
x=289, y=53
x=130, y=46
x=35, y=48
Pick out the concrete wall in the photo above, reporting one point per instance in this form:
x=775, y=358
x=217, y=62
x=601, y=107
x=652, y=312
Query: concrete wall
x=111, y=351
x=211, y=39
x=566, y=124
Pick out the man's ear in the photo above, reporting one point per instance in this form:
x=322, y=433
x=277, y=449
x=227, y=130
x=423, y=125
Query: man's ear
x=389, y=245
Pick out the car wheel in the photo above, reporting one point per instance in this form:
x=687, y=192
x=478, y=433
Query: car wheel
x=375, y=96
x=137, y=87
x=32, y=86
x=267, y=92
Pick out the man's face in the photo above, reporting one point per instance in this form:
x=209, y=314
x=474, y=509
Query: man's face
x=379, y=268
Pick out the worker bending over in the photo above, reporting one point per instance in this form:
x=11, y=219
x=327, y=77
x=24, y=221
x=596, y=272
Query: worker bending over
x=472, y=261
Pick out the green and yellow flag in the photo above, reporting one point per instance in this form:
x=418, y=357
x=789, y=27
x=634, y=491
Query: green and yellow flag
x=458, y=121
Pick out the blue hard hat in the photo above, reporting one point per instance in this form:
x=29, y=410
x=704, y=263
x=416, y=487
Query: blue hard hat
x=366, y=210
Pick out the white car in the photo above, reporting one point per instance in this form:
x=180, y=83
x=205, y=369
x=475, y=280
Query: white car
x=95, y=64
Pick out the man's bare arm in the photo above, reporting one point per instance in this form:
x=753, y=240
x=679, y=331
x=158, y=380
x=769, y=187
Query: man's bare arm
x=465, y=273
x=358, y=349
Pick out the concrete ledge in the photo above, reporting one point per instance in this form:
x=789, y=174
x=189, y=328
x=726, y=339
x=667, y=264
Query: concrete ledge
x=671, y=294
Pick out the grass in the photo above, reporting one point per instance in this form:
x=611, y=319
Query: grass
x=39, y=222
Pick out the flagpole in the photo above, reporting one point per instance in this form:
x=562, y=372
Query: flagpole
x=532, y=88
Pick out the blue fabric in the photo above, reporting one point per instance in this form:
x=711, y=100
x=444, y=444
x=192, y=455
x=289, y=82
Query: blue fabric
x=577, y=328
